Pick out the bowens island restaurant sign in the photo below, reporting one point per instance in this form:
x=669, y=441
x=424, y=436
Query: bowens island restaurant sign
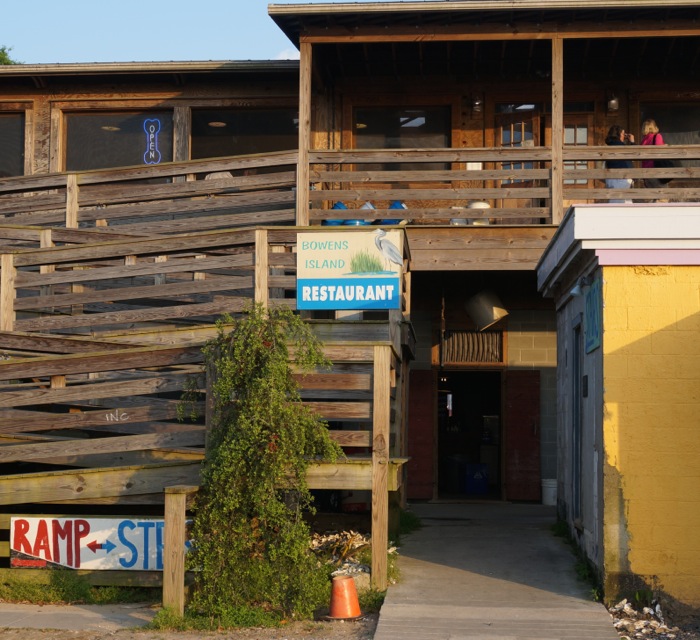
x=349, y=270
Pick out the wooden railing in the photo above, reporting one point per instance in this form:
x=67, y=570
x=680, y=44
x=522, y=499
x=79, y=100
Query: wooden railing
x=438, y=185
x=189, y=196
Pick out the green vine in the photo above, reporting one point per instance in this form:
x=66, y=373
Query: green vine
x=250, y=540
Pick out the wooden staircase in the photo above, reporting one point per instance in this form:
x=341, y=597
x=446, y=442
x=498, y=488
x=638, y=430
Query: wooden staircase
x=110, y=283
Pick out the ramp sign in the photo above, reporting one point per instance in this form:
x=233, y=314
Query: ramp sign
x=87, y=543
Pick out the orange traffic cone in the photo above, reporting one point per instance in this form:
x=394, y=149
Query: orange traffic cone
x=344, y=603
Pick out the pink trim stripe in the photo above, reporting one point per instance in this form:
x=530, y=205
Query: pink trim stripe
x=685, y=257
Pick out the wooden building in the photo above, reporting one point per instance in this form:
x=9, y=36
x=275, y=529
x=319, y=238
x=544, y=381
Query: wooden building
x=471, y=124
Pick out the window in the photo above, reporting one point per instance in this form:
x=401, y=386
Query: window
x=576, y=132
x=516, y=131
x=101, y=140
x=11, y=144
x=232, y=132
x=393, y=127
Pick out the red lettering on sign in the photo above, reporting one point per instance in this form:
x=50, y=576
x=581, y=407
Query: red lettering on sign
x=64, y=532
x=81, y=530
x=42, y=541
x=19, y=537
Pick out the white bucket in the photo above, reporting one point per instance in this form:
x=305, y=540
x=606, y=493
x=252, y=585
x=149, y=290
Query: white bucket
x=479, y=204
x=549, y=491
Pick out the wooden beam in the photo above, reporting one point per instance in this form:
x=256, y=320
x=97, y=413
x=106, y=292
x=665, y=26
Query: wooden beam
x=72, y=205
x=380, y=471
x=8, y=275
x=303, y=186
x=98, y=361
x=557, y=202
x=91, y=446
x=174, y=546
x=262, y=268
x=504, y=31
x=37, y=488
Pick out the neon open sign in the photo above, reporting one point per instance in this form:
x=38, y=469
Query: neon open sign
x=152, y=129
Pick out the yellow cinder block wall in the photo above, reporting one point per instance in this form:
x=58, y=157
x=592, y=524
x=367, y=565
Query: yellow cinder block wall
x=651, y=428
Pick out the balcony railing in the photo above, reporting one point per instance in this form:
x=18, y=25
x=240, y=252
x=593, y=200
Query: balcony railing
x=485, y=185
x=519, y=186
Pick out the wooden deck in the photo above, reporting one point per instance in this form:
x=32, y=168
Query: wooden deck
x=102, y=320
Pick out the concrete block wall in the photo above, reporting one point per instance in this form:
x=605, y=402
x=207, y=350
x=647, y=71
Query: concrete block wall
x=651, y=369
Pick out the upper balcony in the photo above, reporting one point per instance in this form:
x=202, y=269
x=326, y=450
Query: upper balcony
x=480, y=186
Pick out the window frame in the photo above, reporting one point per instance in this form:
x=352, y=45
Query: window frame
x=25, y=109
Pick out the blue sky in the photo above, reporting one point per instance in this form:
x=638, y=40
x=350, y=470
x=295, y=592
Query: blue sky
x=48, y=31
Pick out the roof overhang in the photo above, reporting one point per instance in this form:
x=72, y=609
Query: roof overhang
x=640, y=234
x=350, y=19
x=41, y=73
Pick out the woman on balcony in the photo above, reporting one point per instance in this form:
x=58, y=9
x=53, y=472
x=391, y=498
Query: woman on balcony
x=617, y=136
x=652, y=136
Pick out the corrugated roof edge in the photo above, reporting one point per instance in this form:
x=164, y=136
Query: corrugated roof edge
x=149, y=67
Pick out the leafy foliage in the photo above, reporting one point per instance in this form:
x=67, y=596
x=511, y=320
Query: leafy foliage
x=5, y=55
x=251, y=543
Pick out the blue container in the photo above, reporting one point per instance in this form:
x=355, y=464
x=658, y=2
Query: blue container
x=477, y=479
x=335, y=223
x=396, y=204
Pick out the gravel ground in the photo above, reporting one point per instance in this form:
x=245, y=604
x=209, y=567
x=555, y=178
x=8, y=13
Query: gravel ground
x=362, y=629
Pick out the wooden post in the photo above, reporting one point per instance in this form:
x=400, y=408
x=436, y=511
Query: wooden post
x=262, y=268
x=71, y=201
x=8, y=275
x=557, y=203
x=45, y=241
x=174, y=547
x=380, y=465
x=304, y=134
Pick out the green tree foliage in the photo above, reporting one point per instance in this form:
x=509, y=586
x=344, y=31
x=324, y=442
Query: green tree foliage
x=250, y=540
x=5, y=56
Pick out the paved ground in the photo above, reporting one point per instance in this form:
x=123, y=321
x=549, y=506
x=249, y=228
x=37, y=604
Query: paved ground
x=489, y=572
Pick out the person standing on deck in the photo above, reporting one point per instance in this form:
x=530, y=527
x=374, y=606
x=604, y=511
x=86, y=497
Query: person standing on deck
x=618, y=136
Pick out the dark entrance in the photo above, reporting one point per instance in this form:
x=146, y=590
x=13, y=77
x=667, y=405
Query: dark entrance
x=469, y=435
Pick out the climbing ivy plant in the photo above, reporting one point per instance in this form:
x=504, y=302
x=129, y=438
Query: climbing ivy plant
x=250, y=540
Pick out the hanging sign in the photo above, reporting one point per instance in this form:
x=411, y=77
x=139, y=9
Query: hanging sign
x=353, y=270
x=87, y=543
x=152, y=129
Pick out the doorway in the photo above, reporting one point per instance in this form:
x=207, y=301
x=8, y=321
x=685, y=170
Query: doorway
x=469, y=435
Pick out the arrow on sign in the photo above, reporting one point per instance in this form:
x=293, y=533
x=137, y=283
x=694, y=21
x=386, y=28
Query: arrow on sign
x=107, y=546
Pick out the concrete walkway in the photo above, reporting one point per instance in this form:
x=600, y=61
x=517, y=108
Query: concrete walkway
x=106, y=618
x=489, y=572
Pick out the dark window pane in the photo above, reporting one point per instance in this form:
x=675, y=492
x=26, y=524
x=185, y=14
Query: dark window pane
x=232, y=132
x=678, y=124
x=402, y=128
x=107, y=140
x=11, y=144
